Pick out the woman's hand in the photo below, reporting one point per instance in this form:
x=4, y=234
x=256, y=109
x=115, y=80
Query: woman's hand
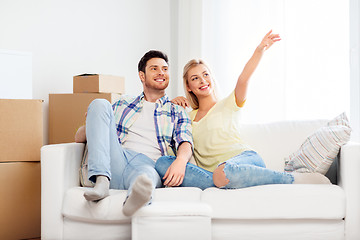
x=181, y=101
x=268, y=41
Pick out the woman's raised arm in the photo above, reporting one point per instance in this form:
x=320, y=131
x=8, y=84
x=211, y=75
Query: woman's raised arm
x=243, y=80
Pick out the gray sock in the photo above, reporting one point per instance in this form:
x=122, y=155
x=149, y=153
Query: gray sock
x=310, y=178
x=100, y=191
x=139, y=196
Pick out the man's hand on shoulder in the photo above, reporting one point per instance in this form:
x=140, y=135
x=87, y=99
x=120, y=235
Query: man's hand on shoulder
x=181, y=101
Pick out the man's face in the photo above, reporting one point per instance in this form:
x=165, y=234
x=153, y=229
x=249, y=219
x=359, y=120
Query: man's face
x=156, y=76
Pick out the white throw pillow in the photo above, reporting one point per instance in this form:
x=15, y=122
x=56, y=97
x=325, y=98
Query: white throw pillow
x=320, y=149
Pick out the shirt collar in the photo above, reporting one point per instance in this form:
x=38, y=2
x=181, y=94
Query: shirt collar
x=161, y=100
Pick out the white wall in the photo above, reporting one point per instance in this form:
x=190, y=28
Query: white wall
x=187, y=27
x=70, y=37
x=15, y=75
x=304, y=76
x=355, y=69
x=210, y=19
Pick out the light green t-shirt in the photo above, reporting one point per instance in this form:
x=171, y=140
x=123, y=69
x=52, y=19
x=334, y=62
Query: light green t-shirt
x=216, y=136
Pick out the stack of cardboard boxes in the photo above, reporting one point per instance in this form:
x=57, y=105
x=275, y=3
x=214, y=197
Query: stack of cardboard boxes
x=21, y=137
x=67, y=111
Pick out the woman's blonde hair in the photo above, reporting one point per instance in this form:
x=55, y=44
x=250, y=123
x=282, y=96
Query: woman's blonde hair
x=193, y=100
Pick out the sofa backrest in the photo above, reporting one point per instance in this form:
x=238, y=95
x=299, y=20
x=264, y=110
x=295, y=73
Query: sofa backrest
x=275, y=141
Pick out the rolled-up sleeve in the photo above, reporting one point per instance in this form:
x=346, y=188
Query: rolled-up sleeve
x=183, y=130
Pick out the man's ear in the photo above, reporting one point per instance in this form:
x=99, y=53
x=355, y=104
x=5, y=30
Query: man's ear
x=142, y=76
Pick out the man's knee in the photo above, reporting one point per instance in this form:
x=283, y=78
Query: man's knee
x=100, y=104
x=219, y=176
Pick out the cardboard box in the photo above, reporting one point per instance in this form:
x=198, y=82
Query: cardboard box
x=67, y=113
x=21, y=129
x=20, y=202
x=97, y=83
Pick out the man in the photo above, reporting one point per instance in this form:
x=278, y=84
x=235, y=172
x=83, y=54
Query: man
x=125, y=141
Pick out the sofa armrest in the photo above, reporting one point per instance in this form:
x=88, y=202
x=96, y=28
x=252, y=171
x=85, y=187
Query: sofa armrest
x=349, y=180
x=60, y=165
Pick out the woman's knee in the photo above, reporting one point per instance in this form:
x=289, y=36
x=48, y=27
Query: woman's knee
x=219, y=176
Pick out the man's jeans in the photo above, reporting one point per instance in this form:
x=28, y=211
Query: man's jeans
x=244, y=170
x=106, y=155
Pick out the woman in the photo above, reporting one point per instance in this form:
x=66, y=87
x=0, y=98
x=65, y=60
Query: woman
x=223, y=159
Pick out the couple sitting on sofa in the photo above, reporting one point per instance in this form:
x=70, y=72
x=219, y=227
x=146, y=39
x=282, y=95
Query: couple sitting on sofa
x=132, y=145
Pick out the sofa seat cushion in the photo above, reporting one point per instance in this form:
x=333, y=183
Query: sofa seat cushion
x=303, y=201
x=109, y=210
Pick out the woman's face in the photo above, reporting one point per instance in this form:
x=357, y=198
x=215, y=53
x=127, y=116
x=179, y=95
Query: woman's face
x=199, y=81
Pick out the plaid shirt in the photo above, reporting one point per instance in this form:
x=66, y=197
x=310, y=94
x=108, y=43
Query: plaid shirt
x=172, y=123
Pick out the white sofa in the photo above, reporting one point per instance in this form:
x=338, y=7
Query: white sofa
x=262, y=212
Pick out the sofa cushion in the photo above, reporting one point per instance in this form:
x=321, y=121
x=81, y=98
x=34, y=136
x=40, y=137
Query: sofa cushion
x=109, y=210
x=277, y=140
x=175, y=208
x=320, y=149
x=282, y=201
x=332, y=173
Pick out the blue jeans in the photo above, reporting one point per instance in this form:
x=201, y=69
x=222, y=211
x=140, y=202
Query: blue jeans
x=248, y=169
x=107, y=157
x=244, y=170
x=194, y=176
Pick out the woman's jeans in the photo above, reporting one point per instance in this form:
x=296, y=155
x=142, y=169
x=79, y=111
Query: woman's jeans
x=244, y=170
x=106, y=155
